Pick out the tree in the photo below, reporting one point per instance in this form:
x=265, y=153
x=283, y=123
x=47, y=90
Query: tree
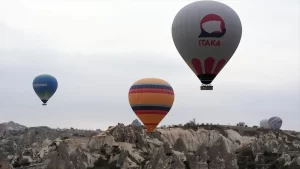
x=174, y=126
x=191, y=125
x=241, y=124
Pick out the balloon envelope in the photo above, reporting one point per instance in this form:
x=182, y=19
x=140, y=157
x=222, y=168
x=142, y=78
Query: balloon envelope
x=275, y=123
x=151, y=99
x=45, y=86
x=206, y=34
x=264, y=124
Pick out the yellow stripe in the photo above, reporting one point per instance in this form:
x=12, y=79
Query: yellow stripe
x=151, y=118
x=152, y=80
x=151, y=98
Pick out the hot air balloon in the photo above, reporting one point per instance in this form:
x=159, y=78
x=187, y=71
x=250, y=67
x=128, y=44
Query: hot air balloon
x=264, y=124
x=272, y=123
x=275, y=123
x=206, y=35
x=151, y=99
x=44, y=86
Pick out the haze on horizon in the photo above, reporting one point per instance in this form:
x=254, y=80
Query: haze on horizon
x=97, y=49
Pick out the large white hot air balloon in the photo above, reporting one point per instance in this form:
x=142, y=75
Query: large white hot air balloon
x=264, y=124
x=275, y=123
x=206, y=34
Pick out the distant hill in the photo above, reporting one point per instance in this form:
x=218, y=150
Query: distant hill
x=11, y=126
x=136, y=123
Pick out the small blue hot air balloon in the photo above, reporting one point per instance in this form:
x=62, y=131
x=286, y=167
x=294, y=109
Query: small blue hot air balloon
x=44, y=86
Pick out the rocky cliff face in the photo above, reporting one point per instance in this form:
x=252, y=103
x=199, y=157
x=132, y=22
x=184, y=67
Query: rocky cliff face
x=11, y=126
x=130, y=147
x=136, y=123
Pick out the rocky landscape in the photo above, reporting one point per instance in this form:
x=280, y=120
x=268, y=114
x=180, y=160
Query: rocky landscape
x=189, y=146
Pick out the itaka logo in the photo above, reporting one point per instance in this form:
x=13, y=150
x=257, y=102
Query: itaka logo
x=40, y=84
x=212, y=26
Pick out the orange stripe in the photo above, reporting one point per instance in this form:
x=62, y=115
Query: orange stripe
x=153, y=124
x=151, y=112
x=150, y=128
x=151, y=98
x=151, y=118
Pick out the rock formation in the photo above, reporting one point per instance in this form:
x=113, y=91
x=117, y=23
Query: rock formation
x=130, y=147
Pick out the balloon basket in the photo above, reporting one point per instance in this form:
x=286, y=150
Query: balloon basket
x=150, y=132
x=44, y=104
x=206, y=87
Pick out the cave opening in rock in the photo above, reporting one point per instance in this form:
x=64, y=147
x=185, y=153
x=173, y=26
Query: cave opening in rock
x=208, y=162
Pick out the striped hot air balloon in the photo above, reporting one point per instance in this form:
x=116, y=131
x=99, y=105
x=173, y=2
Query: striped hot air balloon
x=151, y=99
x=275, y=123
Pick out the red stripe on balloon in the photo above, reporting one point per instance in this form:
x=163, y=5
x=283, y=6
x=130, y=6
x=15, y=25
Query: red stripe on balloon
x=197, y=65
x=219, y=66
x=209, y=64
x=149, y=90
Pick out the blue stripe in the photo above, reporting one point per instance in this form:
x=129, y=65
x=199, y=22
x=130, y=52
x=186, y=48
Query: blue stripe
x=164, y=108
x=151, y=86
x=275, y=119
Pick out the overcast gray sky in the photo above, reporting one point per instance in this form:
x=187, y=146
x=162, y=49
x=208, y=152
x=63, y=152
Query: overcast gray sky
x=97, y=48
